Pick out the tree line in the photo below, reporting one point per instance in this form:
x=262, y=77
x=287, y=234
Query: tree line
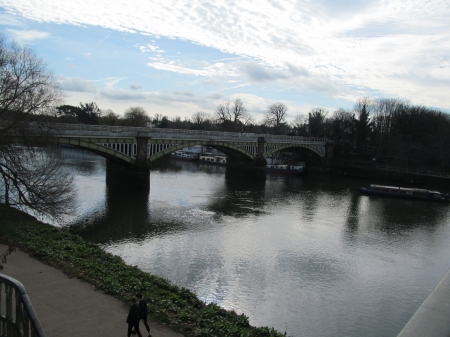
x=390, y=130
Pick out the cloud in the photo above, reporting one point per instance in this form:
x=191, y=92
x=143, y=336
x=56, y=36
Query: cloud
x=178, y=69
x=135, y=87
x=168, y=99
x=23, y=36
x=218, y=69
x=9, y=20
x=77, y=85
x=381, y=45
x=150, y=48
x=260, y=73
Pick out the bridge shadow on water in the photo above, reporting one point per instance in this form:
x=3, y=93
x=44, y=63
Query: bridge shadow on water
x=240, y=198
x=125, y=215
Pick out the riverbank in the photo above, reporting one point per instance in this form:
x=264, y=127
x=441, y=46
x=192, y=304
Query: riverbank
x=177, y=308
x=70, y=307
x=393, y=174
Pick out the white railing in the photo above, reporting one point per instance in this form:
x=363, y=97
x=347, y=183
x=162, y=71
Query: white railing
x=125, y=131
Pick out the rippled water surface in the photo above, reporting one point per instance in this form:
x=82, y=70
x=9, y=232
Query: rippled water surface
x=307, y=255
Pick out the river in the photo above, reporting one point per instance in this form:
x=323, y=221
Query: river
x=306, y=255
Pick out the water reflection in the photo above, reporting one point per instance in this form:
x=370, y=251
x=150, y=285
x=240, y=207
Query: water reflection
x=307, y=253
x=91, y=163
x=124, y=215
x=352, y=215
x=239, y=198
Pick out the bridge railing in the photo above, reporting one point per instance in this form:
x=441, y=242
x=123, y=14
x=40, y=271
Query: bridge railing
x=105, y=130
x=17, y=316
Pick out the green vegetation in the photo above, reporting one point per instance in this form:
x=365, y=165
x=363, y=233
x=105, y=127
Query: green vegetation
x=178, y=308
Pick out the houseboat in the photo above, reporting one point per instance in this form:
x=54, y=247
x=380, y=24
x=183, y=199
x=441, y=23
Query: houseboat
x=404, y=192
x=183, y=155
x=292, y=168
x=211, y=159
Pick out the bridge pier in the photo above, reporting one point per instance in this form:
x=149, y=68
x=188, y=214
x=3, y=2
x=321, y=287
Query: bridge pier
x=127, y=175
x=136, y=176
x=255, y=170
x=329, y=151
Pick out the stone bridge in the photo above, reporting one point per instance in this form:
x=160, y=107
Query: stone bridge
x=138, y=147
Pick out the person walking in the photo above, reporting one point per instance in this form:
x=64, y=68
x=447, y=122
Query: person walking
x=143, y=307
x=134, y=317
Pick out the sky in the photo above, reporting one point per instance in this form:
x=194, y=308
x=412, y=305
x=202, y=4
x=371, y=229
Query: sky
x=176, y=58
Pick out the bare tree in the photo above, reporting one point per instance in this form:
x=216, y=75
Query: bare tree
x=199, y=119
x=232, y=114
x=109, y=117
x=276, y=116
x=383, y=112
x=136, y=116
x=278, y=113
x=157, y=119
x=299, y=123
x=31, y=177
x=34, y=180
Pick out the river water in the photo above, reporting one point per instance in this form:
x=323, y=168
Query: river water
x=306, y=255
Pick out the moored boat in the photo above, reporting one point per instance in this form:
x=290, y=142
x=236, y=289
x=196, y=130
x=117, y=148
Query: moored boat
x=294, y=168
x=183, y=155
x=211, y=159
x=404, y=192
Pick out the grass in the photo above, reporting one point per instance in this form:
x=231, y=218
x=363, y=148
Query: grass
x=177, y=308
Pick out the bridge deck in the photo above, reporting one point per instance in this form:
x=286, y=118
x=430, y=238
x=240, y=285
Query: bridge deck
x=82, y=130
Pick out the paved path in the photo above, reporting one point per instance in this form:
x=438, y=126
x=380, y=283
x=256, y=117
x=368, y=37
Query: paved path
x=70, y=307
x=432, y=319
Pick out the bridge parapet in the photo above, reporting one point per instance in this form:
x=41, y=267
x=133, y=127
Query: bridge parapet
x=124, y=131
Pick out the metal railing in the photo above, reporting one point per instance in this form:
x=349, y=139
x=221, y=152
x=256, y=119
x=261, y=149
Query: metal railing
x=17, y=317
x=125, y=131
x=413, y=171
x=391, y=168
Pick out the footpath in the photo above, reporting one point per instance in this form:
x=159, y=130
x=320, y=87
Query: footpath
x=69, y=307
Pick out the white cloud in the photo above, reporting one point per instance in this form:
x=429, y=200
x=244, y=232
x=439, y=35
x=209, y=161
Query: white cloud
x=218, y=69
x=150, y=48
x=23, y=36
x=9, y=20
x=77, y=85
x=395, y=47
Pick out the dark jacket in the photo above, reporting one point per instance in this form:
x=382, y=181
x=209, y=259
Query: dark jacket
x=134, y=315
x=143, y=307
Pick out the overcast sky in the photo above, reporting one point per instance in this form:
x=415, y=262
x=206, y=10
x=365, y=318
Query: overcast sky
x=178, y=57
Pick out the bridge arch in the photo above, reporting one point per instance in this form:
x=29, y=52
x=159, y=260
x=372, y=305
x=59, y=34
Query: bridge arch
x=280, y=148
x=229, y=148
x=90, y=145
